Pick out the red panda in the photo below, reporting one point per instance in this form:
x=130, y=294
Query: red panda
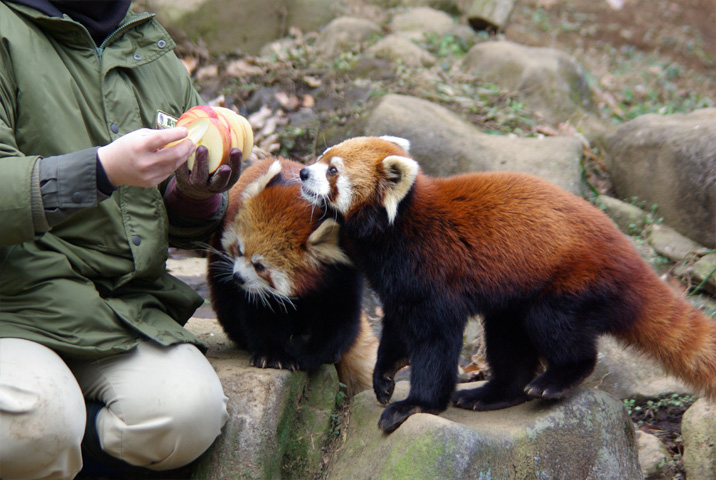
x=548, y=271
x=281, y=285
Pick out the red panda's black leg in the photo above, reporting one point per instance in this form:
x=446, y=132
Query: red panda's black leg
x=566, y=338
x=433, y=374
x=513, y=362
x=392, y=356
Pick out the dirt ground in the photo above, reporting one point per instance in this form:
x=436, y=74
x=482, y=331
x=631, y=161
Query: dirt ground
x=642, y=55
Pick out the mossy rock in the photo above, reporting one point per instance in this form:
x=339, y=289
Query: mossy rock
x=588, y=435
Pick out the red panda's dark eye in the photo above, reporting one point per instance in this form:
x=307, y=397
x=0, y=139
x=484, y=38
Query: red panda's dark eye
x=332, y=170
x=259, y=267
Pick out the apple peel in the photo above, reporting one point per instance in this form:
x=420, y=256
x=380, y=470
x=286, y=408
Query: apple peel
x=219, y=129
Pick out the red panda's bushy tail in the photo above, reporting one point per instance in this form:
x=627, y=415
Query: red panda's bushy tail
x=678, y=335
x=355, y=368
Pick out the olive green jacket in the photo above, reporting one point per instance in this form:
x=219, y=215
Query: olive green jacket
x=96, y=281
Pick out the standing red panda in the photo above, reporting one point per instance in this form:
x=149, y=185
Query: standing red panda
x=548, y=272
x=281, y=285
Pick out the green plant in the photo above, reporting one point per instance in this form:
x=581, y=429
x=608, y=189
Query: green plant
x=445, y=45
x=644, y=412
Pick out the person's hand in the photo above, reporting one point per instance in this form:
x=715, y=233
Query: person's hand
x=137, y=159
x=199, y=184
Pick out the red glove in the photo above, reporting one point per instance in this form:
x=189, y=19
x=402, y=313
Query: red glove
x=195, y=193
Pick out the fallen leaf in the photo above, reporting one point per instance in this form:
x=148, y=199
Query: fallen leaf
x=206, y=72
x=289, y=102
x=311, y=81
x=190, y=63
x=242, y=68
x=308, y=101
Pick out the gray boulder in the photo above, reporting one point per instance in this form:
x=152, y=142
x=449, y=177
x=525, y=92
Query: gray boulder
x=625, y=373
x=400, y=50
x=417, y=22
x=653, y=455
x=278, y=419
x=671, y=244
x=629, y=218
x=445, y=144
x=549, y=81
x=228, y=25
x=587, y=436
x=452, y=6
x=698, y=429
x=670, y=161
x=344, y=33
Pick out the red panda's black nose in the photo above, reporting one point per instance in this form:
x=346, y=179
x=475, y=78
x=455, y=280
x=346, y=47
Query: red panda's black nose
x=304, y=174
x=238, y=279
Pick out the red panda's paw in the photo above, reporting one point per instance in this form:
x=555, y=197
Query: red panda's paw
x=266, y=361
x=396, y=413
x=383, y=386
x=558, y=381
x=487, y=397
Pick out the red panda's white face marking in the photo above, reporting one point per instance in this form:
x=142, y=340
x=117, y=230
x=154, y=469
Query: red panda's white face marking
x=277, y=244
x=257, y=274
x=360, y=171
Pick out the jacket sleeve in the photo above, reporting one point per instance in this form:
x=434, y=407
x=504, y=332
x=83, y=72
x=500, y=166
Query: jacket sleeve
x=68, y=183
x=37, y=193
x=16, y=169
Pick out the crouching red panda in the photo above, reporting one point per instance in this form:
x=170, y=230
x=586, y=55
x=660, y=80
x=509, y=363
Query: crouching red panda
x=281, y=285
x=548, y=272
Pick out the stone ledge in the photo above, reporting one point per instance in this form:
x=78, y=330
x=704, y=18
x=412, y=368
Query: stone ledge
x=588, y=435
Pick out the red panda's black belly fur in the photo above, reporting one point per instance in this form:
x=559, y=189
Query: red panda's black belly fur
x=302, y=336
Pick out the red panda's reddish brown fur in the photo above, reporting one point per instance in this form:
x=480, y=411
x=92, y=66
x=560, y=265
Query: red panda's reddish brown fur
x=548, y=271
x=268, y=219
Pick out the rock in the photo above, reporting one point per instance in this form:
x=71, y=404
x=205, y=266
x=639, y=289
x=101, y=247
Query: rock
x=698, y=429
x=343, y=33
x=670, y=161
x=228, y=25
x=587, y=436
x=549, y=81
x=629, y=218
x=399, y=50
x=416, y=23
x=451, y=6
x=669, y=243
x=701, y=273
x=445, y=144
x=490, y=15
x=278, y=419
x=652, y=454
x=625, y=373
x=705, y=272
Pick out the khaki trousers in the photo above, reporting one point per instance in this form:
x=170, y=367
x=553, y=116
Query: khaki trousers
x=164, y=406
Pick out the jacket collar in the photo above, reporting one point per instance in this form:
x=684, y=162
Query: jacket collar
x=62, y=26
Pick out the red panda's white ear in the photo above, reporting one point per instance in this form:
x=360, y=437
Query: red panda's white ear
x=403, y=143
x=324, y=244
x=258, y=185
x=400, y=172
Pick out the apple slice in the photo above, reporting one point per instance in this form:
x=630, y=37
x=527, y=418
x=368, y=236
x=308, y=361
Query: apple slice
x=245, y=139
x=217, y=140
x=196, y=128
x=248, y=137
x=237, y=128
x=201, y=111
